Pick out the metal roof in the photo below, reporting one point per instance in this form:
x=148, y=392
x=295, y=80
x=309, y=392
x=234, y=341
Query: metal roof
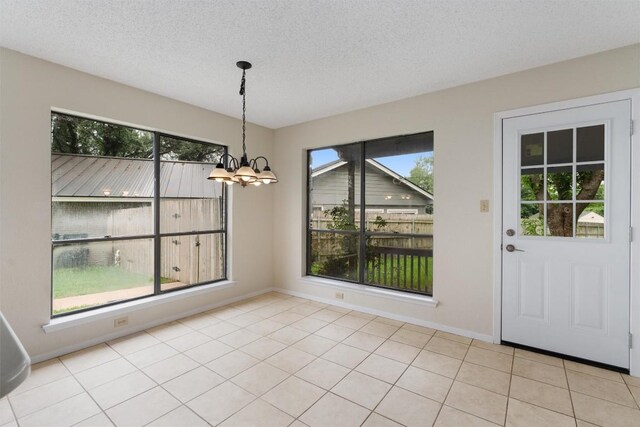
x=91, y=176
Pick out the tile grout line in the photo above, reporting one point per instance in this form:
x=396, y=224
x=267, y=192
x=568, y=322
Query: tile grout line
x=398, y=379
x=273, y=303
x=453, y=381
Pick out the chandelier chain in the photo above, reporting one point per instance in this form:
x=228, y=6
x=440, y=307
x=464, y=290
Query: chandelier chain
x=244, y=111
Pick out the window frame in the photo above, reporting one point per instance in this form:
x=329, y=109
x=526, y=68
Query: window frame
x=361, y=232
x=156, y=236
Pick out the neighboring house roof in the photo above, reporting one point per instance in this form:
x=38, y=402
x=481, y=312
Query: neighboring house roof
x=91, y=176
x=337, y=163
x=592, y=218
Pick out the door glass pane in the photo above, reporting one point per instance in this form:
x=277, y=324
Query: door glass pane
x=188, y=200
x=560, y=183
x=591, y=219
x=532, y=149
x=590, y=182
x=532, y=184
x=92, y=274
x=404, y=263
x=560, y=219
x=187, y=260
x=590, y=143
x=334, y=188
x=334, y=255
x=531, y=219
x=560, y=146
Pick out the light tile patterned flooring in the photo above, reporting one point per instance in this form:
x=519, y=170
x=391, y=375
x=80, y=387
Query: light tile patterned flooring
x=276, y=360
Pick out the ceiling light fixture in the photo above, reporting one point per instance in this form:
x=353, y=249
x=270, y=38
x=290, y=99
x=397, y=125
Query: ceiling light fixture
x=244, y=171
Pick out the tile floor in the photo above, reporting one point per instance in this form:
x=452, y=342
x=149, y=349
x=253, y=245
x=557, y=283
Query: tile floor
x=277, y=360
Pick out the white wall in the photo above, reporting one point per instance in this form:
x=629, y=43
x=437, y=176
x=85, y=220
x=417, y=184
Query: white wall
x=29, y=89
x=462, y=120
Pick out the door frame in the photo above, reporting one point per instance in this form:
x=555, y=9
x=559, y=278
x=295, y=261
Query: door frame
x=634, y=309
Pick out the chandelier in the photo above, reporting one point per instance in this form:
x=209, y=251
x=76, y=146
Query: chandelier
x=245, y=171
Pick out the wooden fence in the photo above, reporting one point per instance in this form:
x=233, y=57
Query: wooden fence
x=187, y=259
x=393, y=223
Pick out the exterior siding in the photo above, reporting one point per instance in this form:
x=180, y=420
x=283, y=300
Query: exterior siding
x=330, y=189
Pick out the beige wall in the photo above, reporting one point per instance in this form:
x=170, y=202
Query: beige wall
x=29, y=89
x=462, y=120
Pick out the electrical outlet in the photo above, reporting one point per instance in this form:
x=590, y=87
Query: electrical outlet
x=339, y=295
x=121, y=321
x=484, y=205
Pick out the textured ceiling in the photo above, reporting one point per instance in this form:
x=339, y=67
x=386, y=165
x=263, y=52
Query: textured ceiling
x=311, y=58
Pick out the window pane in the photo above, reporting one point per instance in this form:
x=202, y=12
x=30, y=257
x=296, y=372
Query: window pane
x=532, y=184
x=591, y=220
x=399, y=184
x=404, y=263
x=531, y=219
x=93, y=274
x=334, y=188
x=560, y=146
x=187, y=260
x=72, y=219
x=189, y=201
x=334, y=255
x=590, y=143
x=590, y=182
x=532, y=149
x=80, y=136
x=560, y=183
x=560, y=219
x=101, y=179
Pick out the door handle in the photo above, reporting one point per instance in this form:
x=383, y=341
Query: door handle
x=511, y=248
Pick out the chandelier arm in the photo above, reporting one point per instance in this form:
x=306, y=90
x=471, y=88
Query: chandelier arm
x=232, y=161
x=255, y=161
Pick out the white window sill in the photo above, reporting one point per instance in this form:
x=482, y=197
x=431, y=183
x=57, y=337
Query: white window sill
x=73, y=320
x=372, y=291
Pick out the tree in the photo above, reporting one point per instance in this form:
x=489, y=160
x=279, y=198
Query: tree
x=559, y=187
x=77, y=135
x=422, y=173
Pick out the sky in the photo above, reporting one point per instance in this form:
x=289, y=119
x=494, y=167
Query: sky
x=401, y=164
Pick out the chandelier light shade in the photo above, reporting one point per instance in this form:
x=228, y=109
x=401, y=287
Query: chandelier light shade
x=244, y=172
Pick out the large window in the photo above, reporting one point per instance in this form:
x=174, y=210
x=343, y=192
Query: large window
x=133, y=214
x=370, y=213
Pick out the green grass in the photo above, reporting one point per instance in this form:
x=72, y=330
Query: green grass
x=398, y=277
x=69, y=282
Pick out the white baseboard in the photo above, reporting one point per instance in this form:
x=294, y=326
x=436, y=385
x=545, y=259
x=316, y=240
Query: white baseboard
x=137, y=328
x=390, y=315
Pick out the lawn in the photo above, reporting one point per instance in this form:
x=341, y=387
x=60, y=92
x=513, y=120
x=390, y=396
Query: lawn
x=401, y=275
x=396, y=276
x=69, y=282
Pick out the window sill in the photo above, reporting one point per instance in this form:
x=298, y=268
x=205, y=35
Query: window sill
x=373, y=291
x=74, y=320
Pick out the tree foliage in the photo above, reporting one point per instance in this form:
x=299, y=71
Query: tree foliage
x=77, y=135
x=422, y=173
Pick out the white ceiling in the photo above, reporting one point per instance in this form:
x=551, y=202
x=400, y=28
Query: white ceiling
x=311, y=58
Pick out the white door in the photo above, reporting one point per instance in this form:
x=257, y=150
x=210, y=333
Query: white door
x=566, y=231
